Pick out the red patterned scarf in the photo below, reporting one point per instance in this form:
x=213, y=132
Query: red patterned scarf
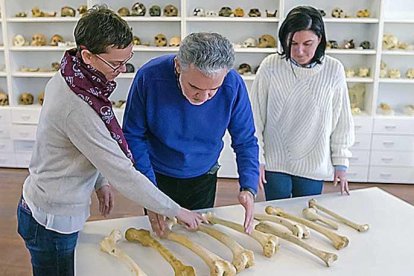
x=92, y=87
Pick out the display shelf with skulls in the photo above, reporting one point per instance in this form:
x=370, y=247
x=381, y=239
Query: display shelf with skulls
x=352, y=20
x=360, y=80
x=41, y=19
x=351, y=51
x=233, y=19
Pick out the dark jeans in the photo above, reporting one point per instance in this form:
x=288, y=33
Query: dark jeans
x=282, y=185
x=51, y=253
x=191, y=193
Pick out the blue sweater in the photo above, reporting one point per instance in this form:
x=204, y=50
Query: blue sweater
x=169, y=135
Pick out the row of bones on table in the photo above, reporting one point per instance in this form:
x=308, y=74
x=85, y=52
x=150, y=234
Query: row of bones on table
x=282, y=225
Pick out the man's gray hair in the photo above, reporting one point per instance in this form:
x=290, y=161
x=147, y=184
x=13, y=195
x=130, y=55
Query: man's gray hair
x=208, y=52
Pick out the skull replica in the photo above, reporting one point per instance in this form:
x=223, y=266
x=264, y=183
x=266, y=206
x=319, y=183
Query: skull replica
x=389, y=42
x=332, y=44
x=238, y=12
x=54, y=41
x=55, y=66
x=82, y=9
x=21, y=14
x=271, y=14
x=170, y=10
x=26, y=99
x=267, y=41
x=365, y=44
x=244, y=69
x=350, y=73
x=363, y=13
x=155, y=10
x=4, y=99
x=124, y=11
x=409, y=110
x=338, y=13
x=322, y=12
x=19, y=40
x=174, y=41
x=199, y=12
x=349, y=44
x=363, y=72
x=38, y=40
x=136, y=41
x=211, y=13
x=41, y=98
x=130, y=68
x=160, y=40
x=138, y=9
x=394, y=74
x=250, y=42
x=254, y=12
x=410, y=73
x=67, y=11
x=225, y=11
x=385, y=109
x=383, y=70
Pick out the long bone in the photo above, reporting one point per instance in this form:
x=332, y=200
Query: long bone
x=270, y=243
x=327, y=257
x=298, y=230
x=338, y=241
x=144, y=237
x=217, y=265
x=312, y=215
x=108, y=245
x=242, y=258
x=359, y=227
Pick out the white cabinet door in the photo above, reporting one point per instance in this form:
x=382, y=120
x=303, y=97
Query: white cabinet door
x=393, y=126
x=392, y=143
x=391, y=174
x=391, y=158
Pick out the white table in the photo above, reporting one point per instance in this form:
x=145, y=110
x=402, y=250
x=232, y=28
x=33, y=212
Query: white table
x=386, y=249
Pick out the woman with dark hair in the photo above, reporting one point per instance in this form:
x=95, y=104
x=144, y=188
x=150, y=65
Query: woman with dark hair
x=80, y=147
x=302, y=111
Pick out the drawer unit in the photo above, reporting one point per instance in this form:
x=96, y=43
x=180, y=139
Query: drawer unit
x=23, y=146
x=22, y=160
x=392, y=143
x=5, y=116
x=359, y=158
x=363, y=124
x=391, y=174
x=6, y=146
x=7, y=159
x=23, y=132
x=25, y=116
x=391, y=158
x=357, y=173
x=362, y=142
x=393, y=126
x=4, y=131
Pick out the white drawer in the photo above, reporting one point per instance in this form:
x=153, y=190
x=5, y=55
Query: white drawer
x=7, y=159
x=4, y=131
x=359, y=158
x=5, y=116
x=362, y=142
x=357, y=173
x=393, y=126
x=22, y=160
x=6, y=145
x=392, y=158
x=391, y=174
x=393, y=143
x=23, y=132
x=23, y=146
x=25, y=115
x=363, y=124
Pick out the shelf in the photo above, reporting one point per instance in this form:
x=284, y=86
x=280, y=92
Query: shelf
x=360, y=80
x=3, y=74
x=401, y=80
x=1, y=48
x=351, y=52
x=233, y=19
x=126, y=76
x=398, y=52
x=34, y=74
x=155, y=49
x=41, y=19
x=255, y=50
x=248, y=77
x=39, y=48
x=151, y=18
x=351, y=20
x=399, y=21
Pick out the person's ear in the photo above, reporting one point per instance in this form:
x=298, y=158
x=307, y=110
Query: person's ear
x=177, y=65
x=86, y=56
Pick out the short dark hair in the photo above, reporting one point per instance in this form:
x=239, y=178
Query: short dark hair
x=302, y=18
x=99, y=28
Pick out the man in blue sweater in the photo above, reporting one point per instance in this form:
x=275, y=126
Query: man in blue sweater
x=178, y=110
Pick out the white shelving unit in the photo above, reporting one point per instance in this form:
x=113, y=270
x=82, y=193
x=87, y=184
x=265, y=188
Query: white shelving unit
x=18, y=123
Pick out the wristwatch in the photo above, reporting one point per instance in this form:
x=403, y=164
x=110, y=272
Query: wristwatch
x=249, y=190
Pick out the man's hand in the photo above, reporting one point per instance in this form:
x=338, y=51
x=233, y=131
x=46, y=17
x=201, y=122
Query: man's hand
x=262, y=178
x=106, y=199
x=158, y=223
x=340, y=176
x=246, y=199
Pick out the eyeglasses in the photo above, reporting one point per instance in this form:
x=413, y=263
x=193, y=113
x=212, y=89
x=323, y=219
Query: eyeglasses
x=115, y=68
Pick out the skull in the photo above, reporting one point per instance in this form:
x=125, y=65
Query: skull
x=349, y=44
x=38, y=40
x=19, y=40
x=350, y=73
x=55, y=66
x=82, y=9
x=199, y=12
x=67, y=11
x=36, y=12
x=363, y=13
x=124, y=11
x=254, y=12
x=338, y=13
x=174, y=41
x=322, y=12
x=267, y=41
x=332, y=44
x=155, y=10
x=394, y=74
x=389, y=41
x=244, y=69
x=160, y=40
x=410, y=73
x=138, y=9
x=363, y=72
x=21, y=14
x=271, y=14
x=365, y=44
x=170, y=10
x=211, y=13
x=41, y=98
x=130, y=68
x=120, y=104
x=136, y=40
x=26, y=99
x=238, y=12
x=409, y=109
x=54, y=41
x=250, y=42
x=4, y=99
x=225, y=11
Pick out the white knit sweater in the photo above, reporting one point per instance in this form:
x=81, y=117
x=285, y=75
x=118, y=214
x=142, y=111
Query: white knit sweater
x=303, y=117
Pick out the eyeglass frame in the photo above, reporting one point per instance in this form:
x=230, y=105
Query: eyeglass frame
x=115, y=68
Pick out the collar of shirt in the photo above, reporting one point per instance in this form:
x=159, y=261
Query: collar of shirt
x=310, y=65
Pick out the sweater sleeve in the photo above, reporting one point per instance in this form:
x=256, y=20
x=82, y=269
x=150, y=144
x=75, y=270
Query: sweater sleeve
x=244, y=143
x=259, y=94
x=100, y=182
x=342, y=137
x=93, y=140
x=135, y=128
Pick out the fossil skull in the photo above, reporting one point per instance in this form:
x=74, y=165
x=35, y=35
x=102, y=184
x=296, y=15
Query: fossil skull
x=254, y=12
x=82, y=9
x=267, y=41
x=199, y=12
x=54, y=41
x=67, y=11
x=338, y=13
x=244, y=69
x=136, y=40
x=124, y=11
x=155, y=10
x=26, y=99
x=38, y=40
x=170, y=10
x=238, y=12
x=160, y=40
x=174, y=41
x=41, y=98
x=19, y=40
x=138, y=9
x=225, y=11
x=4, y=99
x=250, y=42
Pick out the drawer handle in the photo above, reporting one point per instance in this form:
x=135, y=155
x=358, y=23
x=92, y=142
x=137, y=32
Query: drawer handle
x=390, y=127
x=25, y=117
x=385, y=174
x=24, y=134
x=387, y=159
x=388, y=143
